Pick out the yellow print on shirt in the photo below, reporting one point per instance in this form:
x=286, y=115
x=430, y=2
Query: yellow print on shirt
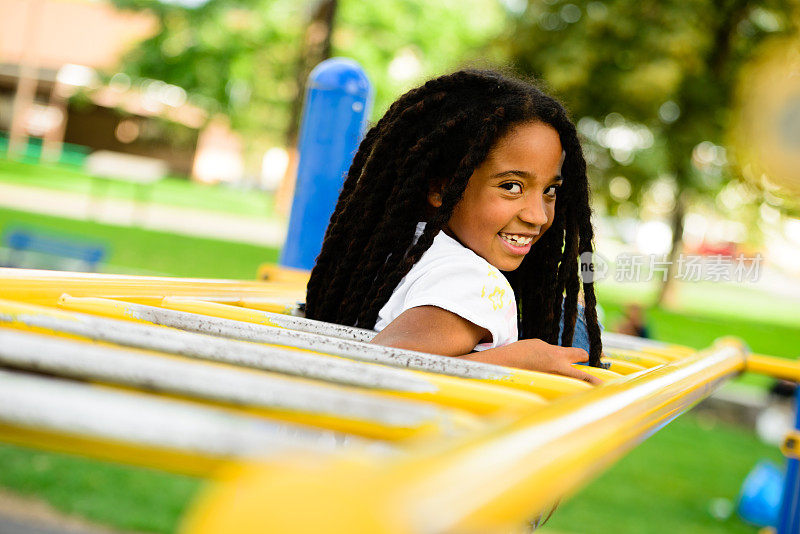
x=497, y=296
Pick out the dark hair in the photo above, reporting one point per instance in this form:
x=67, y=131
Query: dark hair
x=444, y=130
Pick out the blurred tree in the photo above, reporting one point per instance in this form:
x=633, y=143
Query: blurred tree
x=237, y=57
x=248, y=58
x=400, y=43
x=316, y=47
x=668, y=65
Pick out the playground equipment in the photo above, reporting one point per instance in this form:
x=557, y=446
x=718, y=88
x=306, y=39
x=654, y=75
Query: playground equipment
x=337, y=104
x=306, y=426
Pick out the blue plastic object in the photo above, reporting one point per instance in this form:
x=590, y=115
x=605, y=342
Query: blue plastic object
x=789, y=518
x=337, y=103
x=760, y=497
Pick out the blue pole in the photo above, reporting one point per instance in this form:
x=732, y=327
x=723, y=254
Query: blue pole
x=789, y=517
x=337, y=103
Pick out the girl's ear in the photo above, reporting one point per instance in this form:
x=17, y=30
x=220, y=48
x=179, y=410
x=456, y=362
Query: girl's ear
x=435, y=197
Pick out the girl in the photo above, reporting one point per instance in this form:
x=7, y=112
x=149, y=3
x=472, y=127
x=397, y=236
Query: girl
x=471, y=174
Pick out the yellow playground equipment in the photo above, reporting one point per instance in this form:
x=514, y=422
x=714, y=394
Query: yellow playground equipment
x=304, y=425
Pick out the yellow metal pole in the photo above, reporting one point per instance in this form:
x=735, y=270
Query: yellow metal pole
x=278, y=273
x=632, y=356
x=143, y=429
x=602, y=374
x=613, y=340
x=774, y=367
x=622, y=367
x=492, y=483
x=45, y=287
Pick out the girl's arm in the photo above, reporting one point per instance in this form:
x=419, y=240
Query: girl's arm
x=438, y=331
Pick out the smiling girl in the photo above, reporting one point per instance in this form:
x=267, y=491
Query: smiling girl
x=459, y=227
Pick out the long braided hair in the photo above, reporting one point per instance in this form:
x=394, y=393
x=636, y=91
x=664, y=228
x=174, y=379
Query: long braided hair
x=444, y=130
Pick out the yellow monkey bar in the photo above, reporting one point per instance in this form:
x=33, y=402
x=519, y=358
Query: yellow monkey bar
x=305, y=425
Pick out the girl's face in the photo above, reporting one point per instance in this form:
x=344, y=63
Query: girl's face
x=510, y=199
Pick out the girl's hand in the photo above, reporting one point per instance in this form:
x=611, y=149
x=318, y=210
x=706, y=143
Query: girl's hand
x=538, y=355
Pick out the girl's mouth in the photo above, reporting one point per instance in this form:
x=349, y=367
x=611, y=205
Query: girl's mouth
x=516, y=243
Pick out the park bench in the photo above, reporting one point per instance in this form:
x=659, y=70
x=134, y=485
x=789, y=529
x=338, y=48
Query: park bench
x=32, y=248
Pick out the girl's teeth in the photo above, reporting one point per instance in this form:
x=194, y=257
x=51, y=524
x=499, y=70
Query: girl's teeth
x=516, y=240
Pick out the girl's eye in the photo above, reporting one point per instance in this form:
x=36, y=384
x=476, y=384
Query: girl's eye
x=512, y=187
x=552, y=190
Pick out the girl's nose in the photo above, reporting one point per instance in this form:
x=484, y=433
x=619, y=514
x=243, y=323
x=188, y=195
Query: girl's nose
x=534, y=212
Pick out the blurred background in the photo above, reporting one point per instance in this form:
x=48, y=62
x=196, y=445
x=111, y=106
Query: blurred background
x=159, y=137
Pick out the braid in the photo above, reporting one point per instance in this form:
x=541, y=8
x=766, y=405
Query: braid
x=570, y=281
x=450, y=197
x=585, y=247
x=376, y=192
x=575, y=165
x=333, y=234
x=435, y=135
x=409, y=196
x=336, y=233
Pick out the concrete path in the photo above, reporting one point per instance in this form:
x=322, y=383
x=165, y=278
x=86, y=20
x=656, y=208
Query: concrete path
x=28, y=515
x=185, y=221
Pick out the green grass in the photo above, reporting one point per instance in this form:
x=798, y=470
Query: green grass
x=663, y=486
x=725, y=301
x=170, y=191
x=699, y=329
x=666, y=484
x=138, y=251
x=117, y=495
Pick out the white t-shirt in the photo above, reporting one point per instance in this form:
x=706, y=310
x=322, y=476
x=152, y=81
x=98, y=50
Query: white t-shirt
x=454, y=278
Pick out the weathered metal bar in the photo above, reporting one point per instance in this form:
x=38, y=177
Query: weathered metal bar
x=142, y=429
x=211, y=347
x=474, y=396
x=298, y=400
x=302, y=324
x=292, y=322
x=492, y=483
x=280, y=320
x=547, y=385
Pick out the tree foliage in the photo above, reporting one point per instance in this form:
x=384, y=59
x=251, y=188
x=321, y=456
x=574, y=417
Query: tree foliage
x=669, y=66
x=232, y=56
x=240, y=57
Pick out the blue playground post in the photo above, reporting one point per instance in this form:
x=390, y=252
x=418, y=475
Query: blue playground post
x=789, y=517
x=337, y=103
